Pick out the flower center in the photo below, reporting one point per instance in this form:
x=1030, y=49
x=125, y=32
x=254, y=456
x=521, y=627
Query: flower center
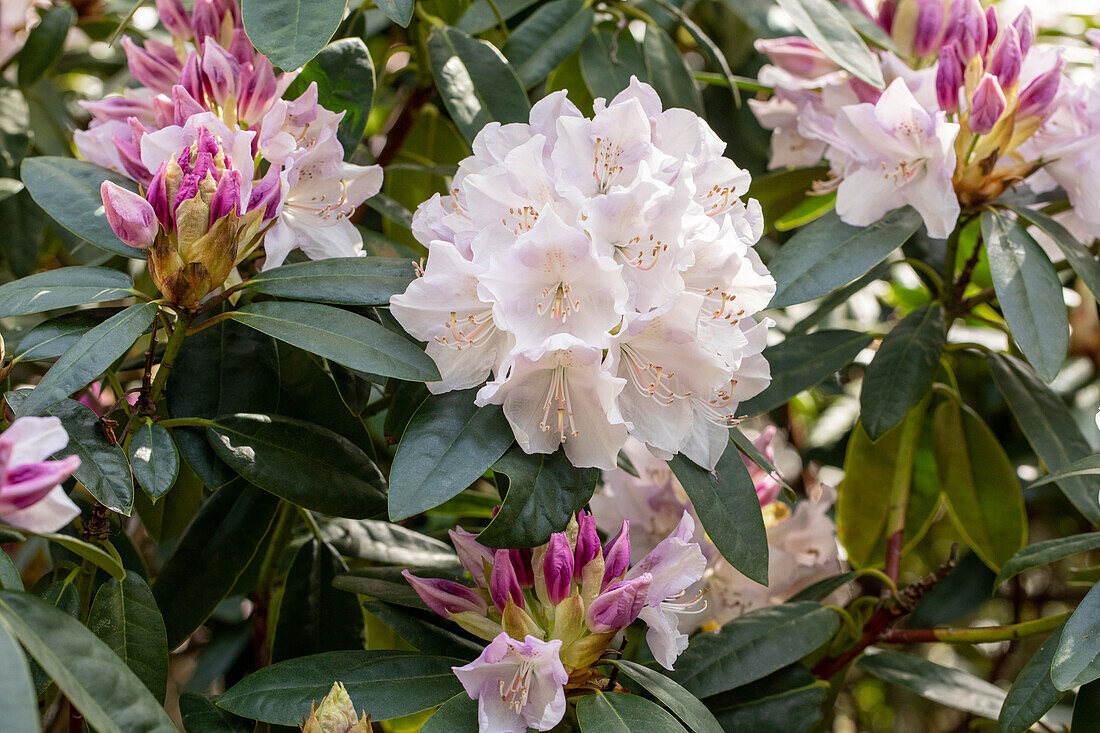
x=557, y=300
x=651, y=379
x=716, y=407
x=557, y=400
x=517, y=691
x=606, y=165
x=640, y=254
x=473, y=329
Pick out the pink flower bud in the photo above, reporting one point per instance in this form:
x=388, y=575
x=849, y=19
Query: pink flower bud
x=221, y=72
x=446, y=596
x=992, y=25
x=796, y=56
x=929, y=30
x=988, y=105
x=864, y=92
x=588, y=543
x=1007, y=58
x=557, y=567
x=1025, y=26
x=190, y=78
x=227, y=196
x=155, y=73
x=967, y=27
x=503, y=583
x=1036, y=98
x=471, y=553
x=886, y=12
x=206, y=20
x=521, y=563
x=259, y=90
x=616, y=555
x=158, y=197
x=115, y=108
x=184, y=105
x=266, y=193
x=174, y=17
x=241, y=47
x=131, y=217
x=129, y=152
x=618, y=605
x=949, y=77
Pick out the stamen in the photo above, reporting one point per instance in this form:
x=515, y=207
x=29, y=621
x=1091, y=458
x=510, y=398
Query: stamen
x=472, y=330
x=557, y=398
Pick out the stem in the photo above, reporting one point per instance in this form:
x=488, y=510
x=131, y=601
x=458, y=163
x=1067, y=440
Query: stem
x=311, y=522
x=950, y=256
x=983, y=635
x=269, y=571
x=213, y=321
x=899, y=492
x=171, y=351
x=187, y=422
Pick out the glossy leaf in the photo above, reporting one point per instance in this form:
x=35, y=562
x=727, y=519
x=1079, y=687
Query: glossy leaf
x=1077, y=659
x=668, y=72
x=424, y=631
x=341, y=336
x=61, y=288
x=608, y=60
x=481, y=15
x=1048, y=551
x=309, y=393
x=1032, y=693
x=344, y=74
x=1087, y=466
x=1077, y=255
x=125, y=616
x=617, y=712
x=342, y=280
x=830, y=253
x=154, y=459
x=301, y=462
x=387, y=683
x=87, y=551
x=546, y=37
x=399, y=11
x=681, y=702
x=19, y=703
x=797, y=710
x=44, y=44
x=293, y=32
x=902, y=370
x=50, y=339
x=475, y=81
x=448, y=444
x=457, y=715
x=201, y=715
x=387, y=543
x=544, y=491
x=9, y=574
x=1029, y=292
x=826, y=27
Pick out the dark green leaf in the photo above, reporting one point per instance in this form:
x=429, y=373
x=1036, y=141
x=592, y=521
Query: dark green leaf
x=19, y=703
x=943, y=685
x=668, y=72
x=388, y=684
x=1029, y=292
x=825, y=26
x=481, y=16
x=457, y=715
x=422, y=629
x=822, y=589
x=68, y=190
x=44, y=44
x=314, y=617
x=545, y=38
x=292, y=32
x=387, y=544
x=210, y=556
x=726, y=503
x=344, y=74
x=1032, y=693
x=125, y=616
x=366, y=583
x=475, y=81
x=309, y=393
x=201, y=715
x=448, y=444
x=154, y=459
x=399, y=11
x=753, y=646
x=1086, y=709
x=343, y=280
x=9, y=574
x=1080, y=259
x=1049, y=551
x=801, y=362
x=681, y=702
x=303, y=463
x=1077, y=660
x=608, y=60
x=86, y=550
x=1087, y=466
x=1049, y=428
x=544, y=491
x=797, y=710
x=902, y=370
x=341, y=336
x=50, y=339
x=110, y=697
x=61, y=288
x=90, y=356
x=617, y=712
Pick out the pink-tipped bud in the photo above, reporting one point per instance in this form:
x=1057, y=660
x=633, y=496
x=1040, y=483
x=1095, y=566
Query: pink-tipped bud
x=472, y=554
x=967, y=28
x=521, y=563
x=227, y=196
x=190, y=78
x=131, y=217
x=618, y=605
x=220, y=71
x=129, y=152
x=588, y=543
x=184, y=105
x=886, y=12
x=616, y=555
x=259, y=89
x=265, y=194
x=988, y=105
x=241, y=47
x=992, y=26
x=949, y=77
x=206, y=20
x=1025, y=26
x=929, y=30
x=864, y=92
x=557, y=567
x=157, y=195
x=1037, y=97
x=175, y=18
x=796, y=56
x=1007, y=58
x=149, y=69
x=445, y=597
x=503, y=583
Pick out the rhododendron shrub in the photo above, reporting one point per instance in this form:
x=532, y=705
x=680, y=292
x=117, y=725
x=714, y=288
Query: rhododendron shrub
x=571, y=365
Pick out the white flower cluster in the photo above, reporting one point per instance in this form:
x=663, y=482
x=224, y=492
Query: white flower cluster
x=600, y=273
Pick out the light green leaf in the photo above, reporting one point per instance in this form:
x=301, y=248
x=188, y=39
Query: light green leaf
x=89, y=552
x=291, y=32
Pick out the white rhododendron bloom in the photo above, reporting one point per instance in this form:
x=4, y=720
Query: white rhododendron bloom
x=597, y=278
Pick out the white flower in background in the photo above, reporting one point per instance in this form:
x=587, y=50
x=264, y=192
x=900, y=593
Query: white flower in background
x=16, y=18
x=599, y=275
x=31, y=496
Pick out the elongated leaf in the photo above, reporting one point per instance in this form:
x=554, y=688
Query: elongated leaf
x=343, y=280
x=201, y=715
x=826, y=27
x=311, y=394
x=19, y=703
x=821, y=590
x=608, y=60
x=1080, y=259
x=1045, y=552
x=50, y=339
x=1087, y=466
x=753, y=646
x=668, y=72
x=544, y=491
x=9, y=574
x=727, y=505
x=546, y=37
x=125, y=616
x=902, y=370
x=291, y=33
x=387, y=544
x=681, y=702
x=475, y=81
x=448, y=444
x=341, y=336
x=1086, y=709
x=90, y=356
x=44, y=44
x=110, y=697
x=983, y=494
x=89, y=552
x=229, y=527
x=1029, y=292
x=422, y=629
x=617, y=712
x=62, y=288
x=154, y=459
x=797, y=710
x=1032, y=693
x=481, y=16
x=1077, y=659
x=830, y=253
x=68, y=190
x=344, y=74
x=801, y=362
x=387, y=683
x=399, y=11
x=1050, y=429
x=457, y=715
x=303, y=463
x=937, y=683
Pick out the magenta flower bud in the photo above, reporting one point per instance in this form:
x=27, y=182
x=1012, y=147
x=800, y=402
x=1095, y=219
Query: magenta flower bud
x=967, y=27
x=241, y=47
x=184, y=105
x=588, y=543
x=557, y=567
x=220, y=71
x=259, y=89
x=266, y=192
x=227, y=196
x=115, y=108
x=503, y=583
x=131, y=217
x=992, y=25
x=618, y=605
x=229, y=7
x=1007, y=58
x=175, y=18
x=929, y=31
x=796, y=56
x=206, y=20
x=886, y=12
x=616, y=555
x=129, y=152
x=949, y=77
x=472, y=554
x=190, y=78
x=521, y=563
x=147, y=68
x=1025, y=26
x=1037, y=97
x=157, y=195
x=445, y=597
x=988, y=105
x=864, y=92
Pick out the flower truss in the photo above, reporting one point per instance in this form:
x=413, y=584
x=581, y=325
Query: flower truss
x=801, y=543
x=599, y=273
x=551, y=612
x=973, y=109
x=31, y=496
